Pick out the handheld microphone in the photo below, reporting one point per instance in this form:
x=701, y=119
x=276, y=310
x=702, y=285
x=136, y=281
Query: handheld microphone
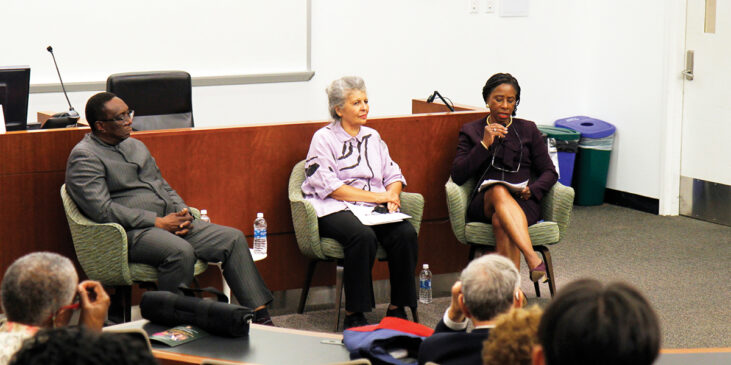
x=72, y=116
x=431, y=97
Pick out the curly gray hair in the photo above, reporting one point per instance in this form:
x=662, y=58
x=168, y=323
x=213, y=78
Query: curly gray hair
x=37, y=285
x=338, y=91
x=488, y=285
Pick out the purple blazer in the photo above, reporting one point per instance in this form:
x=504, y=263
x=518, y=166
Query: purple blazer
x=523, y=149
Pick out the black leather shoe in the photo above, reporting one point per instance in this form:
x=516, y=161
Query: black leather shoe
x=262, y=317
x=398, y=312
x=354, y=320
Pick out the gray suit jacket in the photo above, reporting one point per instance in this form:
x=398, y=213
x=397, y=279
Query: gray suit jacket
x=120, y=184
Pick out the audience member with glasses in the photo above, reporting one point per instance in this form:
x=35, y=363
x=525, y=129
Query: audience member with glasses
x=500, y=147
x=42, y=290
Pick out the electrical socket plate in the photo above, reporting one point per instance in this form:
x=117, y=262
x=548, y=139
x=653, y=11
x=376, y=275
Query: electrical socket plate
x=490, y=6
x=473, y=6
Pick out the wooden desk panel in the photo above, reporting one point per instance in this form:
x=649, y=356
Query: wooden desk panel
x=233, y=172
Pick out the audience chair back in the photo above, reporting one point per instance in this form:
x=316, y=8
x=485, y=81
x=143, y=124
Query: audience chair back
x=316, y=248
x=161, y=100
x=556, y=207
x=101, y=249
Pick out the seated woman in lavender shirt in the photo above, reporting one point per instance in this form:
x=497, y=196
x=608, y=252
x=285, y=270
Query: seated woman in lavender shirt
x=348, y=162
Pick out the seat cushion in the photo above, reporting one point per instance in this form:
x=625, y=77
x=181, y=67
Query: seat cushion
x=541, y=233
x=147, y=273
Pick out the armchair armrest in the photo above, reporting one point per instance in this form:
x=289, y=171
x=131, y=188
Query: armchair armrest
x=306, y=228
x=457, y=204
x=557, y=206
x=304, y=217
x=100, y=247
x=413, y=205
x=102, y=252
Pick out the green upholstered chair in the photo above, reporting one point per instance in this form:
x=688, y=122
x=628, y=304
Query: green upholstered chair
x=557, y=205
x=306, y=230
x=102, y=252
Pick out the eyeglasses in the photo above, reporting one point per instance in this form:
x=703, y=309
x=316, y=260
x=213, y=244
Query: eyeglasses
x=129, y=114
x=76, y=304
x=499, y=146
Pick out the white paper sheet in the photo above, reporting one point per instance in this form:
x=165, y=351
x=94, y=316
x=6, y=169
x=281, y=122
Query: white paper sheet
x=366, y=216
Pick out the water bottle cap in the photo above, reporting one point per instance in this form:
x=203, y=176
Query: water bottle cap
x=260, y=215
x=203, y=211
x=426, y=267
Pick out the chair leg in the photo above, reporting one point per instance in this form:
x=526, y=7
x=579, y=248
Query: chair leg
x=306, y=286
x=550, y=275
x=415, y=314
x=546, y=253
x=120, y=308
x=339, y=292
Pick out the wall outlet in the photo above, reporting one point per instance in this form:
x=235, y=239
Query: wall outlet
x=473, y=6
x=490, y=6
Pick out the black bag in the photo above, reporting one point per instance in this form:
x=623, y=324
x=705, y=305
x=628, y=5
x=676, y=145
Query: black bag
x=218, y=318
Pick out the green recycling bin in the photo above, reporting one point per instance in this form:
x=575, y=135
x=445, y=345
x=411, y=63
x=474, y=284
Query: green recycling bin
x=566, y=143
x=592, y=159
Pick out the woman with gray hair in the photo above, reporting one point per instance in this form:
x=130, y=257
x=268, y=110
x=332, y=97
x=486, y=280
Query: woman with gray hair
x=348, y=162
x=42, y=290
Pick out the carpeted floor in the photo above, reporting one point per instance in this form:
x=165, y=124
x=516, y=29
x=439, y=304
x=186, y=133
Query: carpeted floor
x=681, y=264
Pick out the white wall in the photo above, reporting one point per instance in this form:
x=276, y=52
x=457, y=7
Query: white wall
x=93, y=39
x=603, y=58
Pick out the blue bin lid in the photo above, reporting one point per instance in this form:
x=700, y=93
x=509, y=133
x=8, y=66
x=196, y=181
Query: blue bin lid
x=587, y=126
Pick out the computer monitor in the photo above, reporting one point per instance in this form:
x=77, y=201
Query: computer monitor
x=14, y=89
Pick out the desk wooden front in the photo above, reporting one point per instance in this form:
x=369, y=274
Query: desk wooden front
x=234, y=172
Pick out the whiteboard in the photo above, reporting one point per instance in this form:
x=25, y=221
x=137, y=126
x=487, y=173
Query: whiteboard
x=207, y=38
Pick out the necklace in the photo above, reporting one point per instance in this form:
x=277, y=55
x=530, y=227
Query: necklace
x=510, y=121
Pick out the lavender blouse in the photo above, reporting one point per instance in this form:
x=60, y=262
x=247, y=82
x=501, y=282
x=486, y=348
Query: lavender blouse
x=336, y=158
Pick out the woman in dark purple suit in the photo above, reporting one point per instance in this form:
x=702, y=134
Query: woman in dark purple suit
x=500, y=147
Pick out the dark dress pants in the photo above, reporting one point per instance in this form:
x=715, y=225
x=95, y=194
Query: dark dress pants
x=175, y=256
x=360, y=243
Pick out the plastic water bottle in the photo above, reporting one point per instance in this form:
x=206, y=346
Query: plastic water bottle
x=425, y=285
x=204, y=216
x=260, y=234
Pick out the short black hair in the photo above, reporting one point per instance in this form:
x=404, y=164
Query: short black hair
x=497, y=80
x=95, y=108
x=80, y=346
x=589, y=323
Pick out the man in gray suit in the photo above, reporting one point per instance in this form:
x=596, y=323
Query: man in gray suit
x=113, y=178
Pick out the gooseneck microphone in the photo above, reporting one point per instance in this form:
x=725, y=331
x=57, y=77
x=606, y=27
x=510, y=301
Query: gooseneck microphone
x=72, y=114
x=431, y=97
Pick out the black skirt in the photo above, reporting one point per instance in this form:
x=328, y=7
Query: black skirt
x=476, y=210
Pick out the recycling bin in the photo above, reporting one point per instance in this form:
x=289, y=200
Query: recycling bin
x=592, y=159
x=565, y=142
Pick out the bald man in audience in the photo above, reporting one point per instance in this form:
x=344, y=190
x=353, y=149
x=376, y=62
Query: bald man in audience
x=488, y=286
x=42, y=290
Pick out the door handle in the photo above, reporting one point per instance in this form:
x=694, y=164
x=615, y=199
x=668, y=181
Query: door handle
x=688, y=72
